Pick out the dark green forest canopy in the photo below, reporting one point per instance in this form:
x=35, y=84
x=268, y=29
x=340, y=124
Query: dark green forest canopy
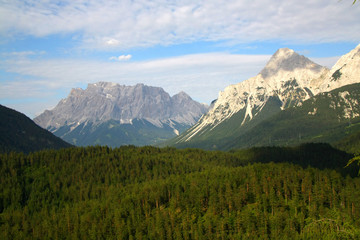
x=19, y=133
x=165, y=193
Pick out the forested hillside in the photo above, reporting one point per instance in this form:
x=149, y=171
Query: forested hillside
x=152, y=193
x=350, y=143
x=19, y=133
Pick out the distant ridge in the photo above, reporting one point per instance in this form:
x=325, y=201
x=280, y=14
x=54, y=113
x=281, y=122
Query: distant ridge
x=19, y=133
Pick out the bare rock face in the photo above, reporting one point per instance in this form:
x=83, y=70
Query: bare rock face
x=104, y=101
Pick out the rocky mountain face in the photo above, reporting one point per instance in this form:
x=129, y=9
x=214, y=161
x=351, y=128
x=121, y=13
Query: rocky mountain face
x=115, y=107
x=287, y=80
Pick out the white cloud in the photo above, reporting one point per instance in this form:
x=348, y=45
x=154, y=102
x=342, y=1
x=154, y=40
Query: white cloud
x=112, y=42
x=126, y=24
x=121, y=58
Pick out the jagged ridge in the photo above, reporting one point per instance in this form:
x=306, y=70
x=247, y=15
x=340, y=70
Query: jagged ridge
x=103, y=103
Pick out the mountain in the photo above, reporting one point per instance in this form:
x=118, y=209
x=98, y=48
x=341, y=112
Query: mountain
x=346, y=71
x=112, y=114
x=327, y=117
x=19, y=133
x=274, y=96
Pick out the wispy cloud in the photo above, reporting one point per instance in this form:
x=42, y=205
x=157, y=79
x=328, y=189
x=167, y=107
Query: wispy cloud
x=127, y=24
x=23, y=54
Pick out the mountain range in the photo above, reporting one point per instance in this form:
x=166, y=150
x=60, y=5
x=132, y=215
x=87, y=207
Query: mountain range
x=292, y=100
x=112, y=114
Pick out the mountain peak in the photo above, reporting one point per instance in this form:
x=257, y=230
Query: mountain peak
x=75, y=92
x=287, y=60
x=182, y=95
x=102, y=84
x=283, y=52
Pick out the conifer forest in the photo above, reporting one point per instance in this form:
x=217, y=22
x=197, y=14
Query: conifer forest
x=302, y=192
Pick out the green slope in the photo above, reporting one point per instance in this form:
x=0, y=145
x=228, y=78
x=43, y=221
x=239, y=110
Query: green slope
x=350, y=143
x=20, y=133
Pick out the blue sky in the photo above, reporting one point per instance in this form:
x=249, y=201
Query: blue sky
x=48, y=47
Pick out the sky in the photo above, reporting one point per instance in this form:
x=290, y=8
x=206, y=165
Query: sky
x=48, y=47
